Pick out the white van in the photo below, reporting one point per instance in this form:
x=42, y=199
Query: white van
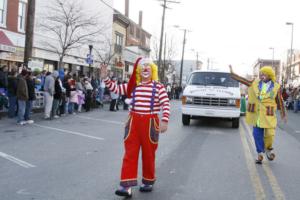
x=211, y=94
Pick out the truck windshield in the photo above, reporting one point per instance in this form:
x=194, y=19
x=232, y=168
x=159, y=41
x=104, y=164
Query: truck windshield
x=212, y=78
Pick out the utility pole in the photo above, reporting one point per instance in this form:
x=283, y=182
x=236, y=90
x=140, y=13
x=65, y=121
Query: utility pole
x=162, y=35
x=164, y=66
x=29, y=31
x=182, y=57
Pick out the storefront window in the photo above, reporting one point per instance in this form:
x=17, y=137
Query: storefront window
x=3, y=11
x=48, y=67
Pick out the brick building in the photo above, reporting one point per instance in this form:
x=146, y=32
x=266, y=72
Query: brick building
x=12, y=32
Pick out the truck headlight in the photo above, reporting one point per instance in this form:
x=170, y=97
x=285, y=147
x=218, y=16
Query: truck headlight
x=231, y=102
x=189, y=100
x=186, y=100
x=234, y=102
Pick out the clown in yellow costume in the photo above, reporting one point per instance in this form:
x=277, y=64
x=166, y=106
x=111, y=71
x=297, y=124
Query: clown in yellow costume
x=264, y=97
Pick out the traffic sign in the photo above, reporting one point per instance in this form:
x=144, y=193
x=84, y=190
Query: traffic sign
x=89, y=59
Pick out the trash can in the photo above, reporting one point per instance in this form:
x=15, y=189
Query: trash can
x=243, y=105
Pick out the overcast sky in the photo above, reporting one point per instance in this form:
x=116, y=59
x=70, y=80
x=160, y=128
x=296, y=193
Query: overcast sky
x=233, y=32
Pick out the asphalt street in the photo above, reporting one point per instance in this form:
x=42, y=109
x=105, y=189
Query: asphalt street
x=78, y=157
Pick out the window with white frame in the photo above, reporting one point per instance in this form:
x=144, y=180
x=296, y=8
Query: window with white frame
x=21, y=16
x=119, y=39
x=147, y=42
x=3, y=11
x=119, y=43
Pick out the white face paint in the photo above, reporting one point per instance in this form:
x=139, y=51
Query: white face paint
x=263, y=77
x=146, y=72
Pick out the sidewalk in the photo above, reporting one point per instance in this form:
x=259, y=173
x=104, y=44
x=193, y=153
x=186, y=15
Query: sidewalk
x=6, y=122
x=293, y=122
x=3, y=113
x=37, y=115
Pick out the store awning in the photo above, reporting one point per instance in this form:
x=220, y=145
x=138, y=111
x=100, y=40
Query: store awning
x=5, y=43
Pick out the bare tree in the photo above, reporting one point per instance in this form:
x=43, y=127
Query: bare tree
x=106, y=52
x=155, y=49
x=169, y=54
x=67, y=22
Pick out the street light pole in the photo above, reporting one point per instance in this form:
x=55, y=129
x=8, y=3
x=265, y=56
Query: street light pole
x=197, y=61
x=291, y=50
x=272, y=48
x=90, y=63
x=182, y=57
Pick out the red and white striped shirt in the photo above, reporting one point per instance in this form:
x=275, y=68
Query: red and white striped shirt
x=143, y=95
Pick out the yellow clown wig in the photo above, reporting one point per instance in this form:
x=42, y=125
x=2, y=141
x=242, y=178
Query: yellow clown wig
x=154, y=70
x=268, y=70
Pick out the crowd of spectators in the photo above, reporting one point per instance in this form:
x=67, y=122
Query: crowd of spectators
x=291, y=97
x=63, y=94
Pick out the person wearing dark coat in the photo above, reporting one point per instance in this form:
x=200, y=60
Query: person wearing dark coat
x=66, y=85
x=57, y=97
x=12, y=94
x=3, y=77
x=31, y=96
x=22, y=96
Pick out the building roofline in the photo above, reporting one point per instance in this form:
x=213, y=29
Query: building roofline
x=131, y=21
x=122, y=18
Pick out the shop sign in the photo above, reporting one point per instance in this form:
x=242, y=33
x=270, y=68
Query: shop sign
x=7, y=48
x=17, y=56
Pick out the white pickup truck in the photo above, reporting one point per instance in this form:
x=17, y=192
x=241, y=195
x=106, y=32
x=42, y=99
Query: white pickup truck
x=211, y=94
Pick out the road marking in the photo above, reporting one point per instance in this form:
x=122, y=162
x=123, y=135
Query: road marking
x=101, y=120
x=255, y=180
x=16, y=160
x=71, y=132
x=23, y=192
x=268, y=171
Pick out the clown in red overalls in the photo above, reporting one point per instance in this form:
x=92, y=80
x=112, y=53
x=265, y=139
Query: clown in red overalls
x=146, y=97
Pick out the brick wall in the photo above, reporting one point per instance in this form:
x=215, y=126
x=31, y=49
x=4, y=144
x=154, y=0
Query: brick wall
x=12, y=15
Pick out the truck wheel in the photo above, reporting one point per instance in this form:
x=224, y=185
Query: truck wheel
x=235, y=122
x=186, y=119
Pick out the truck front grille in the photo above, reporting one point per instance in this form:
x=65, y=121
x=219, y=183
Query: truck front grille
x=207, y=101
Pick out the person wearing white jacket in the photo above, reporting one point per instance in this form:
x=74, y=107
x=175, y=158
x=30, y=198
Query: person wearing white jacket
x=49, y=89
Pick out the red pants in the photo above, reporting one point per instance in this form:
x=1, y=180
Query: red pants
x=141, y=131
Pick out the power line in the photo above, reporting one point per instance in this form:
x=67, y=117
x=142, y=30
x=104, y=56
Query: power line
x=107, y=4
